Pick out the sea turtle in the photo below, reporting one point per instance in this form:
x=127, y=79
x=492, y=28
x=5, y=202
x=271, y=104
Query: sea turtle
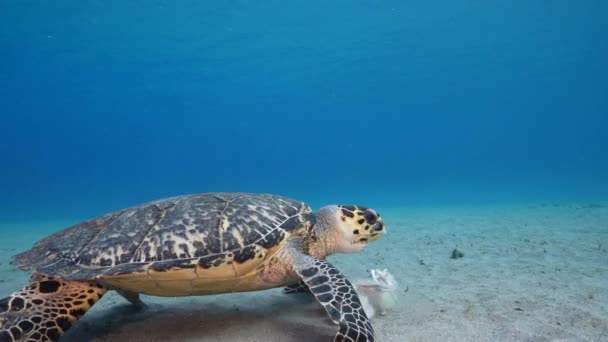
x=192, y=245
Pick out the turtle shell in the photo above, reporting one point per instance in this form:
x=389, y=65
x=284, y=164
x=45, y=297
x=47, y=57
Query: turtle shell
x=203, y=230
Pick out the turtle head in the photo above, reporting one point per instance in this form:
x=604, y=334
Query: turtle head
x=357, y=226
x=347, y=228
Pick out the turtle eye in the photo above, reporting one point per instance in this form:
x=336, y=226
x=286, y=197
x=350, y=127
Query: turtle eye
x=370, y=216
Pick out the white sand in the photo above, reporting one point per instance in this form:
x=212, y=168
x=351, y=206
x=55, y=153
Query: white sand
x=530, y=273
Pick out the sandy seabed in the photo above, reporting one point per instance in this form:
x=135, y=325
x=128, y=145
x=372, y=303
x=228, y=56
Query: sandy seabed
x=529, y=273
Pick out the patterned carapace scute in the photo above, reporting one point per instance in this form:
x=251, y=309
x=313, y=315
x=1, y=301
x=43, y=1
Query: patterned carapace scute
x=174, y=232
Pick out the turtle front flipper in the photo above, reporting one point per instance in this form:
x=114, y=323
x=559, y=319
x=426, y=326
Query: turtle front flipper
x=299, y=287
x=45, y=308
x=338, y=297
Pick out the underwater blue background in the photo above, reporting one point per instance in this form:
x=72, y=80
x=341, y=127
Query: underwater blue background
x=106, y=104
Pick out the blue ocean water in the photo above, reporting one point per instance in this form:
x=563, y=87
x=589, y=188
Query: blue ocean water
x=106, y=104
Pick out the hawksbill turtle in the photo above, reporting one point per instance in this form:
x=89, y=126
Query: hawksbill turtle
x=190, y=245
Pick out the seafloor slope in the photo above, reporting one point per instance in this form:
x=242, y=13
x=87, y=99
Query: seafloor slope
x=528, y=273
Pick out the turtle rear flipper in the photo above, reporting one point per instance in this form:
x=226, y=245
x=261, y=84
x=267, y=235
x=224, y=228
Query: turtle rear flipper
x=338, y=297
x=45, y=308
x=133, y=298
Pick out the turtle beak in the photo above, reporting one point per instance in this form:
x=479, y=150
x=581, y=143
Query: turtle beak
x=378, y=230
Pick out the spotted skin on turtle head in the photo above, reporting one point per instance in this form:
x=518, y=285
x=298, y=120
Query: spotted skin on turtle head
x=45, y=309
x=338, y=297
